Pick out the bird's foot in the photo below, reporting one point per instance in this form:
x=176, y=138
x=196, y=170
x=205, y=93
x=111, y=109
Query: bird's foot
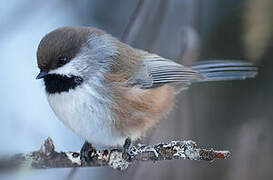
x=127, y=153
x=87, y=152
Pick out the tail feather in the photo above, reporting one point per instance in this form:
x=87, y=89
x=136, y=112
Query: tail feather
x=220, y=70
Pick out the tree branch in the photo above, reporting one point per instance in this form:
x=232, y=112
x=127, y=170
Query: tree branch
x=47, y=157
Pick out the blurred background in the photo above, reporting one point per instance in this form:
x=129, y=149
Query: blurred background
x=234, y=115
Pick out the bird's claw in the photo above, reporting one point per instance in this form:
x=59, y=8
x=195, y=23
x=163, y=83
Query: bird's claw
x=87, y=153
x=127, y=153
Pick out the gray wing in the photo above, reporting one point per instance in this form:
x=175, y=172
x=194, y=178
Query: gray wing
x=157, y=71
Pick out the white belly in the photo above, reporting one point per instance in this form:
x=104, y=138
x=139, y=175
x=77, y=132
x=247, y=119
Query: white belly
x=87, y=113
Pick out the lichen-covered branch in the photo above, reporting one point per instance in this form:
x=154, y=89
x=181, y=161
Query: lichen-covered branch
x=47, y=157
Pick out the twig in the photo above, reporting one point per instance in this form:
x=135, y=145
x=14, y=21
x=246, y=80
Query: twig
x=47, y=157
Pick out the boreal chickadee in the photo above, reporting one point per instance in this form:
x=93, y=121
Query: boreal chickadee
x=106, y=90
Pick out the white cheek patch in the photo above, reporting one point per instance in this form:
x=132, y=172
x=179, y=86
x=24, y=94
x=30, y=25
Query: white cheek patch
x=70, y=69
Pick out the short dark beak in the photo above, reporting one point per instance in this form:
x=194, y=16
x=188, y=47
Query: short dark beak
x=41, y=75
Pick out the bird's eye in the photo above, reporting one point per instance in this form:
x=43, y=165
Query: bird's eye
x=63, y=60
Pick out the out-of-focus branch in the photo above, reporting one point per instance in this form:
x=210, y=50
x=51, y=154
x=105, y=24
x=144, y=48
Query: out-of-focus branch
x=134, y=22
x=257, y=26
x=190, y=46
x=157, y=23
x=47, y=157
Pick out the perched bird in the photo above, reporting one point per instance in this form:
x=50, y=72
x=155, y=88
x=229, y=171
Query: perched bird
x=106, y=90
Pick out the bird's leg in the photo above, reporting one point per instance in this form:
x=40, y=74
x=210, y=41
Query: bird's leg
x=128, y=150
x=87, y=152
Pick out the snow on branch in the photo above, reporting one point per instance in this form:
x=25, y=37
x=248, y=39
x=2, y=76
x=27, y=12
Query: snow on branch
x=47, y=157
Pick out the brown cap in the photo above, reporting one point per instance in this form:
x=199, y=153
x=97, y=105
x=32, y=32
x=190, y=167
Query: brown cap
x=61, y=44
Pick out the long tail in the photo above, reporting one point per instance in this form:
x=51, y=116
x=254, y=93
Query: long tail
x=221, y=70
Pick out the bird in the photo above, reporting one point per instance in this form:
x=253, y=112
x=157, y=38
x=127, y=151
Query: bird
x=107, y=91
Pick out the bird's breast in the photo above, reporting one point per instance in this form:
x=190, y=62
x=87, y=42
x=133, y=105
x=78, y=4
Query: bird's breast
x=86, y=111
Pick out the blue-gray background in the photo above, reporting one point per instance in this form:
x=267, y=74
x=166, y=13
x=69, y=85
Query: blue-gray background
x=225, y=115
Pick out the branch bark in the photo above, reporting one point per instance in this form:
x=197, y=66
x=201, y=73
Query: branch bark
x=47, y=157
